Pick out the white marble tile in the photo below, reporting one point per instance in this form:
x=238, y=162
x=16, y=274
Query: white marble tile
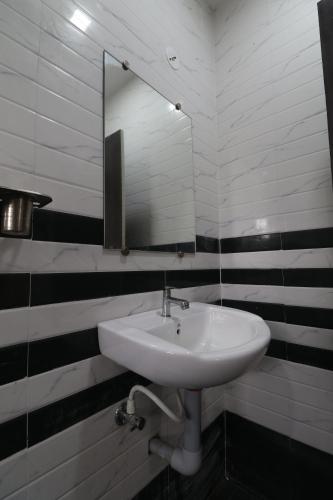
x=66, y=112
x=36, y=256
x=31, y=9
x=55, y=319
x=309, y=297
x=296, y=372
x=17, y=154
x=64, y=84
x=56, y=384
x=18, y=28
x=13, y=326
x=13, y=400
x=283, y=386
x=13, y=474
x=67, y=140
x=73, y=63
x=308, y=257
x=301, y=432
x=298, y=412
x=17, y=57
x=259, y=293
x=303, y=335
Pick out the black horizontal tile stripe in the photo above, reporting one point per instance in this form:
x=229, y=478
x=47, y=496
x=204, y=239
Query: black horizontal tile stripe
x=50, y=353
x=290, y=240
x=296, y=315
x=66, y=287
x=14, y=290
x=309, y=316
x=313, y=356
x=252, y=276
x=49, y=225
x=56, y=417
x=255, y=243
x=207, y=244
x=13, y=362
x=309, y=238
x=308, y=277
x=194, y=277
x=13, y=436
x=277, y=349
x=267, y=310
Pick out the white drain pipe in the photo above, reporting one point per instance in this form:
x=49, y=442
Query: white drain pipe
x=186, y=460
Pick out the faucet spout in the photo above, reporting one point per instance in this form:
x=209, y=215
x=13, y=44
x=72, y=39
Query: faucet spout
x=168, y=300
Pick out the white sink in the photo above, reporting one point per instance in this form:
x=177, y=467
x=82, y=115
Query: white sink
x=213, y=345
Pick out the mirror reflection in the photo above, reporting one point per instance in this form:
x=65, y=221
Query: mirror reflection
x=148, y=157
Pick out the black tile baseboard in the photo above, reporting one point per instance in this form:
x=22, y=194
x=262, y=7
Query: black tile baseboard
x=14, y=290
x=290, y=240
x=13, y=363
x=50, y=353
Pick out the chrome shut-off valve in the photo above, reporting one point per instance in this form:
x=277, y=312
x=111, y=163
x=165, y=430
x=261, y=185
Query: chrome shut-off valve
x=121, y=417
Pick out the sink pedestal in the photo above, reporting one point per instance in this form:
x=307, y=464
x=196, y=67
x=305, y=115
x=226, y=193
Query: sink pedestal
x=186, y=460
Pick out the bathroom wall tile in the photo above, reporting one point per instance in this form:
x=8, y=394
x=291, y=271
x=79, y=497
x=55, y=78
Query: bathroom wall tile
x=251, y=243
x=313, y=238
x=301, y=432
x=182, y=279
x=13, y=399
x=281, y=385
x=14, y=473
x=14, y=290
x=47, y=354
x=309, y=297
x=303, y=335
x=308, y=277
x=13, y=326
x=254, y=293
x=56, y=226
x=13, y=436
x=53, y=418
x=56, y=384
x=13, y=362
x=267, y=311
x=252, y=276
x=244, y=449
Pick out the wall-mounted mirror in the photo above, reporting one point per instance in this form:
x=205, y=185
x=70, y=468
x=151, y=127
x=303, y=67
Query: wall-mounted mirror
x=148, y=166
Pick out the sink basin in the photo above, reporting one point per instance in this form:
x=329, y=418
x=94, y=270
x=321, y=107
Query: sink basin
x=203, y=346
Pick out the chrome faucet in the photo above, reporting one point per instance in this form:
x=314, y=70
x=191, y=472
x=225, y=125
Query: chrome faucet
x=168, y=300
